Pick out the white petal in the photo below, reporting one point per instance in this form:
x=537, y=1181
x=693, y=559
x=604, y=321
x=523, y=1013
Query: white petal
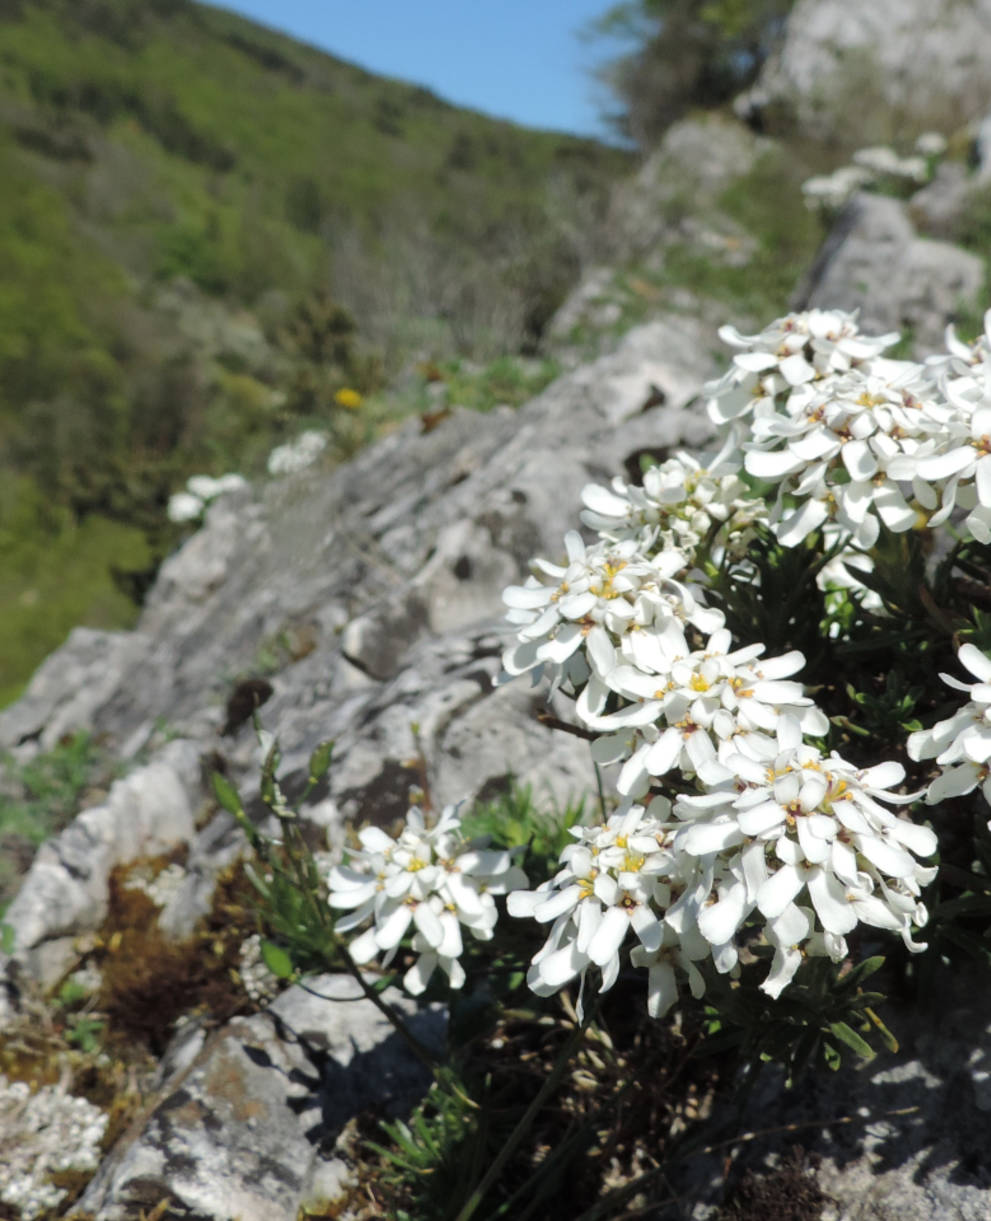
x=609, y=936
x=779, y=890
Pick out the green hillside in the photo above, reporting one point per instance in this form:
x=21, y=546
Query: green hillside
x=207, y=229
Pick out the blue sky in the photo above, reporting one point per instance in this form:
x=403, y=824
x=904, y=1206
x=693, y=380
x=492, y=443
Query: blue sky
x=517, y=59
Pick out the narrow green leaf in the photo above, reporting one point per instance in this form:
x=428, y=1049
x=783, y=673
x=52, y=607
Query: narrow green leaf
x=277, y=960
x=846, y=1034
x=227, y=795
x=863, y=970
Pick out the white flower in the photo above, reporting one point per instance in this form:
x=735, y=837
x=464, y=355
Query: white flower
x=682, y=502
x=805, y=825
x=961, y=744
x=200, y=491
x=297, y=455
x=584, y=609
x=688, y=706
x=616, y=885
x=184, y=506
x=886, y=162
x=428, y=881
x=831, y=191
x=931, y=144
x=793, y=351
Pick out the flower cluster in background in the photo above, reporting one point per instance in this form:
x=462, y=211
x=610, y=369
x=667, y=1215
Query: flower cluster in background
x=876, y=167
x=201, y=491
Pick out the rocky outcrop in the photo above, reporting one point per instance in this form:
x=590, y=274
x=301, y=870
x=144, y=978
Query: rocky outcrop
x=65, y=892
x=248, y=1122
x=376, y=589
x=853, y=74
x=875, y=262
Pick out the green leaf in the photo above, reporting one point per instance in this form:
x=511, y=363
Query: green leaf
x=6, y=938
x=227, y=795
x=846, y=1034
x=863, y=970
x=320, y=760
x=277, y=960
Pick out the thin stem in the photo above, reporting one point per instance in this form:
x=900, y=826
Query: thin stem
x=522, y=1127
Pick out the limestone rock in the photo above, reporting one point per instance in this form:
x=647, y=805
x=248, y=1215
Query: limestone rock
x=937, y=208
x=900, y=1139
x=875, y=262
x=396, y=563
x=247, y=1125
x=677, y=188
x=65, y=891
x=858, y=74
x=67, y=688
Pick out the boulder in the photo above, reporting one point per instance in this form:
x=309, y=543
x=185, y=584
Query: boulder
x=395, y=564
x=248, y=1120
x=855, y=74
x=873, y=261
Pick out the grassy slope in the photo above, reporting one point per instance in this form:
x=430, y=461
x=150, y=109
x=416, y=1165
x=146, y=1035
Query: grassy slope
x=145, y=140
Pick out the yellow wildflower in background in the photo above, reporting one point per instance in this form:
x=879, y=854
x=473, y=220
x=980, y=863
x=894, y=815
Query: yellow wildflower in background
x=348, y=398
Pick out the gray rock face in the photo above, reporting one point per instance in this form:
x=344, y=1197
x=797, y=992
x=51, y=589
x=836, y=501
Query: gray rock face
x=875, y=262
x=860, y=73
x=248, y=1123
x=901, y=1139
x=67, y=688
x=395, y=564
x=937, y=208
x=65, y=891
x=680, y=182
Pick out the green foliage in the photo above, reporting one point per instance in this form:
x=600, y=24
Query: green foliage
x=515, y=820
x=157, y=180
x=823, y=1011
x=40, y=797
x=685, y=53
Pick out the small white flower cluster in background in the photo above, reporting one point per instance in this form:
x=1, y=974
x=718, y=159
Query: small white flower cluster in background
x=201, y=490
x=297, y=455
x=961, y=745
x=428, y=881
x=878, y=443
x=872, y=167
x=43, y=1132
x=161, y=887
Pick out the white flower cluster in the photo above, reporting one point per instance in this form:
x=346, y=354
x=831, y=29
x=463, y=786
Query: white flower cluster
x=799, y=839
x=774, y=839
x=852, y=439
x=201, y=490
x=256, y=979
x=961, y=745
x=573, y=618
x=428, y=881
x=623, y=881
x=874, y=167
x=681, y=505
x=43, y=1132
x=297, y=455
